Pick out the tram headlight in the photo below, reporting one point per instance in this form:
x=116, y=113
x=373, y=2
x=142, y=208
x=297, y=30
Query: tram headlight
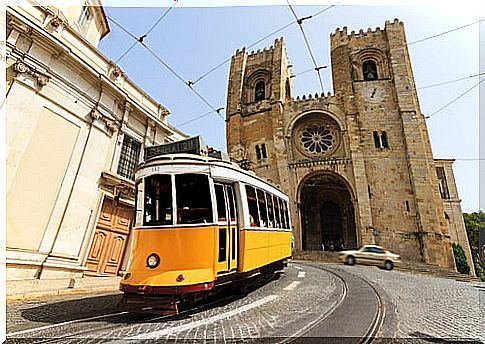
x=153, y=260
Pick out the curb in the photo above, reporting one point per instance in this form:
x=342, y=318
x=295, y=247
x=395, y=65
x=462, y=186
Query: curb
x=61, y=292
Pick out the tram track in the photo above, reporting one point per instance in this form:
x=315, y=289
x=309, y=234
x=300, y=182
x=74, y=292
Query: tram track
x=351, y=289
x=128, y=318
x=331, y=323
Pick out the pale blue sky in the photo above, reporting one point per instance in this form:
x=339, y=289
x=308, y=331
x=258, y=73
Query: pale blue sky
x=194, y=40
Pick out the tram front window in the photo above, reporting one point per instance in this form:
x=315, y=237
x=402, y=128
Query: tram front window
x=193, y=199
x=158, y=200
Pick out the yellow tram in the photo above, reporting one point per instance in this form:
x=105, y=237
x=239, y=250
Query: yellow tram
x=202, y=222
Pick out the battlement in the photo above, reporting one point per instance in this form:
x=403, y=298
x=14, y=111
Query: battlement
x=259, y=54
x=342, y=36
x=319, y=98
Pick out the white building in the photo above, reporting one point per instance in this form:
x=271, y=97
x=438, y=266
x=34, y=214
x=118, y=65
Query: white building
x=76, y=129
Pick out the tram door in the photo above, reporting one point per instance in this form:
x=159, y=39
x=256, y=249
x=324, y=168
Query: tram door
x=227, y=234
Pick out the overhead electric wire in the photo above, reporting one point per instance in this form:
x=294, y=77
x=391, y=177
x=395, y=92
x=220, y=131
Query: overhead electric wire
x=455, y=99
x=142, y=37
x=169, y=68
x=248, y=47
x=262, y=39
x=299, y=21
x=195, y=118
x=450, y=81
x=446, y=32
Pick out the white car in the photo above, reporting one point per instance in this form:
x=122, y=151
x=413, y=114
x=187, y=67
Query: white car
x=370, y=255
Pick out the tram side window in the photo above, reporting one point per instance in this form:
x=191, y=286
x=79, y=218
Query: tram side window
x=139, y=203
x=252, y=205
x=158, y=200
x=232, y=204
x=271, y=220
x=221, y=202
x=277, y=212
x=263, y=215
x=285, y=215
x=193, y=199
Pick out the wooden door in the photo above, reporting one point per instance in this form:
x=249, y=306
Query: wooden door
x=108, y=246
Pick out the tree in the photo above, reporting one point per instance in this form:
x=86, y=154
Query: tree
x=460, y=259
x=475, y=222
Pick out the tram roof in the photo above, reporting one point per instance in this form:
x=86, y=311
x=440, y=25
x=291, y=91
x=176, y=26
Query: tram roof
x=215, y=166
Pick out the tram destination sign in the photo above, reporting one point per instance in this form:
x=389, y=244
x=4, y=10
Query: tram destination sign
x=194, y=145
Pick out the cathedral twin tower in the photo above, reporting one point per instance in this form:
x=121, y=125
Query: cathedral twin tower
x=357, y=165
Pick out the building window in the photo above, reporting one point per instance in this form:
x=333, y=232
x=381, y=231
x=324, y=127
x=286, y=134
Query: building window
x=130, y=153
x=380, y=140
x=261, y=152
x=287, y=89
x=406, y=206
x=369, y=70
x=442, y=184
x=259, y=91
x=84, y=18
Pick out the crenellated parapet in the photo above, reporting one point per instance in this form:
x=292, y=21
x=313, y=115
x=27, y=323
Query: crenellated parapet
x=343, y=37
x=317, y=101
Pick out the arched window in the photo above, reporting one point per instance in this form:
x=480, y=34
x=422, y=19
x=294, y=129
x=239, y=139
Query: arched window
x=369, y=70
x=259, y=92
x=287, y=89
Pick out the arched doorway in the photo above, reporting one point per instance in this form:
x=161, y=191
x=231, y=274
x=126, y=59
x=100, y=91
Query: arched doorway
x=327, y=213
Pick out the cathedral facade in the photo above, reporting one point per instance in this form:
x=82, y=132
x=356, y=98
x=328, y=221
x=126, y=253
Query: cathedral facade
x=357, y=164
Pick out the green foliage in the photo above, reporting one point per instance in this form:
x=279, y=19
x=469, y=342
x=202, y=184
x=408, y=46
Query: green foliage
x=460, y=259
x=475, y=222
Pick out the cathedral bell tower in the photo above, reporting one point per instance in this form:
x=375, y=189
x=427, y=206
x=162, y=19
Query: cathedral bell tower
x=259, y=84
x=391, y=150
x=357, y=165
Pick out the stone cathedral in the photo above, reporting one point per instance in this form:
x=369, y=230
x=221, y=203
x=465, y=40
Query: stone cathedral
x=357, y=164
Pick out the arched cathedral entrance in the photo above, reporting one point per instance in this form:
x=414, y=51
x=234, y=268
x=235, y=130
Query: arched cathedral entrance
x=327, y=213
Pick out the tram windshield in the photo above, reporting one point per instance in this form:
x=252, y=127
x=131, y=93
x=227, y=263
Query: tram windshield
x=158, y=200
x=192, y=204
x=193, y=199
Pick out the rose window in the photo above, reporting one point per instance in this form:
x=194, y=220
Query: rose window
x=317, y=139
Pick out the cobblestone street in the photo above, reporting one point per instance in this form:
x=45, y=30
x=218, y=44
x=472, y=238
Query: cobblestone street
x=428, y=306
x=417, y=306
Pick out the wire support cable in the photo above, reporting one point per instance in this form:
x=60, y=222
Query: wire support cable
x=299, y=21
x=205, y=114
x=455, y=99
x=451, y=81
x=445, y=32
x=203, y=76
x=142, y=37
x=169, y=68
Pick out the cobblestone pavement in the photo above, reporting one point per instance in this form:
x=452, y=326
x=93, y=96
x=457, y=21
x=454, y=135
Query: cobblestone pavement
x=275, y=310
x=428, y=307
x=421, y=307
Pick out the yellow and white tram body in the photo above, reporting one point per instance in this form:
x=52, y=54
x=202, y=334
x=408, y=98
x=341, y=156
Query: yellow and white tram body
x=201, y=222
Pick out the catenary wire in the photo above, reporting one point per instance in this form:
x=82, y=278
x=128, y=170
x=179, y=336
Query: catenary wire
x=262, y=39
x=248, y=47
x=455, y=99
x=142, y=37
x=450, y=81
x=194, y=119
x=169, y=68
x=445, y=32
x=299, y=21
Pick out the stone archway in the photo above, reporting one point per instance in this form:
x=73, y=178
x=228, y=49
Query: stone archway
x=327, y=213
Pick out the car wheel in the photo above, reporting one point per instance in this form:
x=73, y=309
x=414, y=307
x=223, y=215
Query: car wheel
x=388, y=265
x=350, y=260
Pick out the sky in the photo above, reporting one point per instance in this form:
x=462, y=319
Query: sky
x=193, y=40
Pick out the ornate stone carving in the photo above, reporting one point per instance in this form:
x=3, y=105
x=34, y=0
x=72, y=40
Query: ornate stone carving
x=41, y=78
